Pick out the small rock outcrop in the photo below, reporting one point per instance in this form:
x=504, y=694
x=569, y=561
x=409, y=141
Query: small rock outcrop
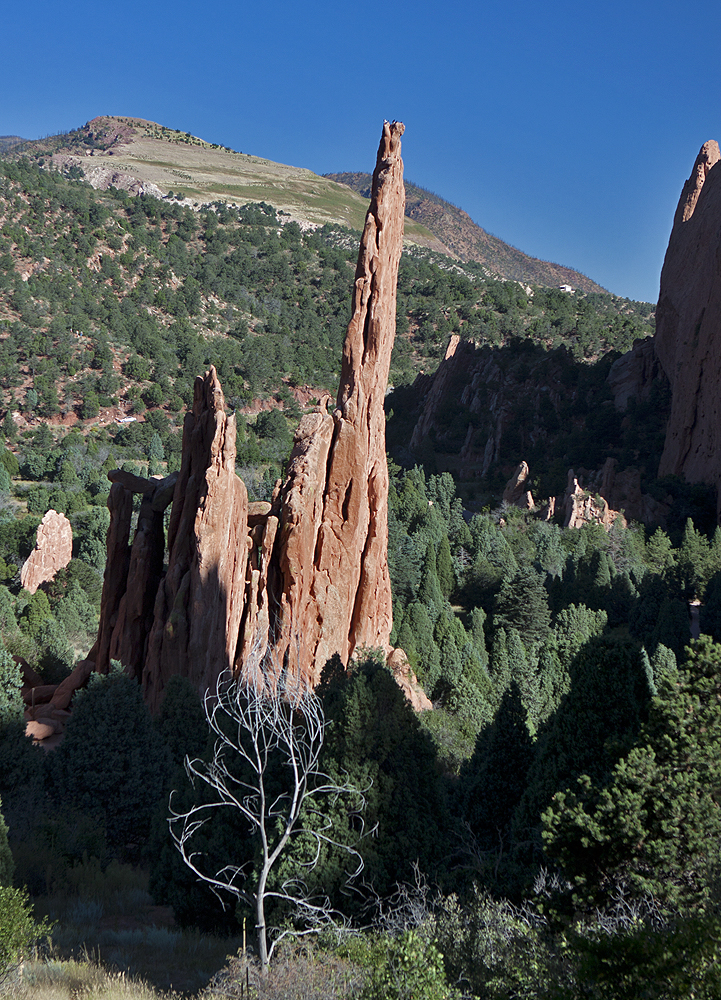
x=517, y=492
x=280, y=584
x=53, y=551
x=688, y=318
x=584, y=507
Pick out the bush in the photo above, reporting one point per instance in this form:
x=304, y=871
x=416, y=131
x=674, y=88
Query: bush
x=18, y=930
x=411, y=969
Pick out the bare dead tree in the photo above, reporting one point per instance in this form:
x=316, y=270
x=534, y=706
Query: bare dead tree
x=260, y=729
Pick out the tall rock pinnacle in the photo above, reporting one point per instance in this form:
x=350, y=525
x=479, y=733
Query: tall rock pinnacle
x=336, y=587
x=270, y=586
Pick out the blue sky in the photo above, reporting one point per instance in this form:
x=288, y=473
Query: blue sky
x=566, y=129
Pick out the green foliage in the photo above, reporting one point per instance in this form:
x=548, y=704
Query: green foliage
x=181, y=722
x=494, y=779
x=18, y=930
x=126, y=774
x=409, y=967
x=679, y=959
x=375, y=740
x=500, y=951
x=602, y=712
x=654, y=826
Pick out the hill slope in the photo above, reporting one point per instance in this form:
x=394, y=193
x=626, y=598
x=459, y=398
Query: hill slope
x=142, y=156
x=469, y=242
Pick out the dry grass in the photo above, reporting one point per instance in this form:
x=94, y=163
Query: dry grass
x=53, y=979
x=298, y=973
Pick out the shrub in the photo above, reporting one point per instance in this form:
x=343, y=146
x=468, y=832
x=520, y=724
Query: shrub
x=18, y=930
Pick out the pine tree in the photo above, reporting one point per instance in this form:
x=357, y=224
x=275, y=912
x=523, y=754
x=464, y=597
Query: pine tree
x=499, y=669
x=444, y=567
x=603, y=711
x=692, y=561
x=522, y=604
x=523, y=674
x=429, y=591
x=660, y=554
x=655, y=827
x=493, y=780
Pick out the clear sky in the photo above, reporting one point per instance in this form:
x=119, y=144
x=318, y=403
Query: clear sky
x=566, y=129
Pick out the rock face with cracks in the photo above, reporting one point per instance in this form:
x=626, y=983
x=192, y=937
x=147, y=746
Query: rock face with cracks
x=287, y=584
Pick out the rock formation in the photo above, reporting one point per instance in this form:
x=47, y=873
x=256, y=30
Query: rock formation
x=53, y=551
x=632, y=375
x=285, y=584
x=517, y=492
x=688, y=319
x=584, y=507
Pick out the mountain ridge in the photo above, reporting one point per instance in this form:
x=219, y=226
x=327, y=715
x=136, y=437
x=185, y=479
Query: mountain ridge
x=468, y=241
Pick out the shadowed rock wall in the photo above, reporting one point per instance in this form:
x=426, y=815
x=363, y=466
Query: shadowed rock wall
x=688, y=325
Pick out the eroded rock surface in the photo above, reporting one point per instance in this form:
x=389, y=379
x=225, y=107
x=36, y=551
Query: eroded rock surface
x=53, y=551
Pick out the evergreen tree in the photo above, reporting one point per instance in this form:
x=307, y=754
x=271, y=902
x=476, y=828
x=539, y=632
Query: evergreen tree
x=692, y=561
x=655, y=826
x=429, y=591
x=499, y=667
x=444, y=568
x=156, y=455
x=121, y=782
x=18, y=757
x=710, y=611
x=660, y=554
x=523, y=674
x=494, y=779
x=673, y=628
x=522, y=604
x=375, y=740
x=601, y=714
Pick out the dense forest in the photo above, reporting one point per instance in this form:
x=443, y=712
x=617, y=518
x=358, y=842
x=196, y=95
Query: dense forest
x=551, y=828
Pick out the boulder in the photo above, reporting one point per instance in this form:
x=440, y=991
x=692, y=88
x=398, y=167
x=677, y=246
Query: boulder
x=53, y=551
x=67, y=688
x=39, y=730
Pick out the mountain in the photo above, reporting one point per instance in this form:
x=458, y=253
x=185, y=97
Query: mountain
x=8, y=141
x=141, y=156
x=467, y=241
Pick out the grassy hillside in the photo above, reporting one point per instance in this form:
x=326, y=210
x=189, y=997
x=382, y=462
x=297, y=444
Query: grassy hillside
x=469, y=242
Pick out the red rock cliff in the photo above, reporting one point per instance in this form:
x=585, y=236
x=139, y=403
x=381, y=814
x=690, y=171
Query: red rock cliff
x=288, y=583
x=688, y=325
